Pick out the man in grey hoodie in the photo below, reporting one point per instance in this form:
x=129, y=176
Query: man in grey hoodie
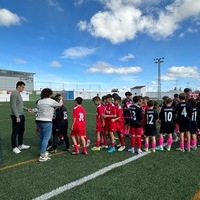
x=18, y=118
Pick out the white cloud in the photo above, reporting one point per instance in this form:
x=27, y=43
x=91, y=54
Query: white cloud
x=78, y=52
x=167, y=78
x=56, y=5
x=127, y=57
x=192, y=30
x=20, y=61
x=7, y=18
x=181, y=35
x=123, y=19
x=55, y=63
x=107, y=68
x=78, y=2
x=183, y=72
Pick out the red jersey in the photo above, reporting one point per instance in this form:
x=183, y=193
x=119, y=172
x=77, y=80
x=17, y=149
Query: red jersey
x=119, y=112
x=110, y=109
x=99, y=112
x=80, y=115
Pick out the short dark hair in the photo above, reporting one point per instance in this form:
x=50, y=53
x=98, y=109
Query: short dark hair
x=176, y=95
x=117, y=98
x=109, y=96
x=128, y=94
x=96, y=98
x=136, y=99
x=182, y=96
x=103, y=98
x=57, y=96
x=20, y=83
x=46, y=93
x=150, y=103
x=187, y=90
x=168, y=100
x=79, y=100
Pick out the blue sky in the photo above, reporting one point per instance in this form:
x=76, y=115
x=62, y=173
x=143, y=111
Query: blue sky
x=102, y=43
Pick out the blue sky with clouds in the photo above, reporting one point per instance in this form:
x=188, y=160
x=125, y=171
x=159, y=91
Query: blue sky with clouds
x=102, y=43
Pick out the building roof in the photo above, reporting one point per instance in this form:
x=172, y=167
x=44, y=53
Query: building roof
x=137, y=87
x=4, y=72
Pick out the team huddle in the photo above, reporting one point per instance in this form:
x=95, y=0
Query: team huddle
x=139, y=118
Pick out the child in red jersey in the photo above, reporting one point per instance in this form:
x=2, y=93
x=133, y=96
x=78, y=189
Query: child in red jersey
x=110, y=126
x=100, y=123
x=78, y=128
x=119, y=122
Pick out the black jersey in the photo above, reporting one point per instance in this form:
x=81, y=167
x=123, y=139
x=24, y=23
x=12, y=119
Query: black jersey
x=151, y=116
x=137, y=115
x=126, y=103
x=194, y=121
x=184, y=114
x=167, y=118
x=61, y=118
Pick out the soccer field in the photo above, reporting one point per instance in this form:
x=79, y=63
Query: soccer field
x=162, y=175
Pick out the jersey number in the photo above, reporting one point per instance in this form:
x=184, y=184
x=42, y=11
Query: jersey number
x=81, y=117
x=150, y=119
x=168, y=116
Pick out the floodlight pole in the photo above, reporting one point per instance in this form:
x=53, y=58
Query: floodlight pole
x=158, y=61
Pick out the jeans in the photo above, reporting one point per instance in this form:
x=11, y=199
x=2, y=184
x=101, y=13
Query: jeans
x=45, y=129
x=17, y=130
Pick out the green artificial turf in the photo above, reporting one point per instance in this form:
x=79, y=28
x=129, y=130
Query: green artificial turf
x=161, y=175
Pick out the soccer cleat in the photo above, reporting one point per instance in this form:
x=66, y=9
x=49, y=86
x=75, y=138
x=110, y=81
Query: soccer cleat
x=75, y=152
x=23, y=146
x=111, y=150
x=16, y=150
x=180, y=149
x=88, y=143
x=121, y=148
x=159, y=148
x=61, y=142
x=43, y=158
x=139, y=151
x=132, y=150
x=194, y=147
x=95, y=148
x=104, y=147
x=146, y=149
x=187, y=149
x=52, y=150
x=118, y=145
x=168, y=148
x=153, y=150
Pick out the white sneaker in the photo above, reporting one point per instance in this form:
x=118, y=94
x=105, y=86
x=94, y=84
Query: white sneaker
x=139, y=151
x=132, y=150
x=16, y=150
x=23, y=146
x=43, y=158
x=121, y=148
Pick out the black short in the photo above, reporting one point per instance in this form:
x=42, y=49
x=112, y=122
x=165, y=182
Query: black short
x=127, y=120
x=184, y=126
x=150, y=133
x=167, y=129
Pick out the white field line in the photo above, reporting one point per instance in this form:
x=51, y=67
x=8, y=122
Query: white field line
x=78, y=182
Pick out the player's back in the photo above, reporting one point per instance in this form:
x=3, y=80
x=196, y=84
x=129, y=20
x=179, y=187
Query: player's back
x=136, y=113
x=151, y=116
x=167, y=115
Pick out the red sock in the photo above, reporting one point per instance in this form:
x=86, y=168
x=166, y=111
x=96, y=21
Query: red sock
x=139, y=142
x=85, y=149
x=76, y=148
x=97, y=143
x=112, y=144
x=133, y=141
